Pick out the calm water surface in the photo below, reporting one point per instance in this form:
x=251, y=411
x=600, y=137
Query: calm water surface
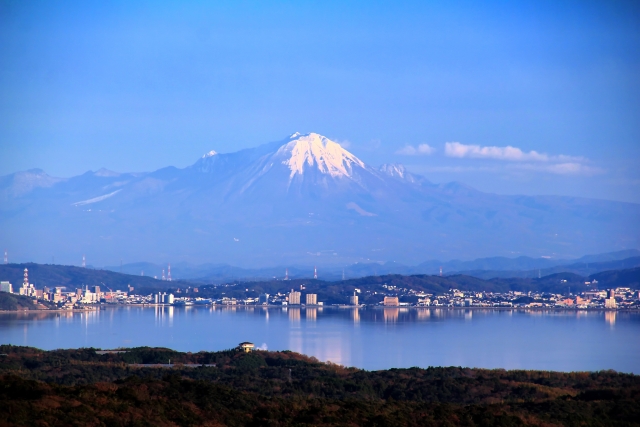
x=372, y=338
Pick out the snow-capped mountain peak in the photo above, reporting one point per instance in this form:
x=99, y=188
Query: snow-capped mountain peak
x=209, y=154
x=398, y=171
x=394, y=169
x=106, y=173
x=316, y=150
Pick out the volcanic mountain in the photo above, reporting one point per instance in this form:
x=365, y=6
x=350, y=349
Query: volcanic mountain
x=301, y=200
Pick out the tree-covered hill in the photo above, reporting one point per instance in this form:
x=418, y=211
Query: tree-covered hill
x=629, y=278
x=20, y=302
x=72, y=277
x=339, y=292
x=81, y=387
x=329, y=292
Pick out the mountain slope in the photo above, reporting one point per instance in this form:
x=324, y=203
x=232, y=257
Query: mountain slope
x=71, y=277
x=301, y=200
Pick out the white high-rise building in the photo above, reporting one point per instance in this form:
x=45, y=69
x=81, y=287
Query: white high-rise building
x=312, y=299
x=6, y=287
x=294, y=297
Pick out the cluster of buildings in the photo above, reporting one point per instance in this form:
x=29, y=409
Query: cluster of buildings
x=63, y=298
x=283, y=299
x=389, y=296
x=163, y=298
x=619, y=298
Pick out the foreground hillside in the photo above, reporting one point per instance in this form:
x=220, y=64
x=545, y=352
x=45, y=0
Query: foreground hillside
x=81, y=387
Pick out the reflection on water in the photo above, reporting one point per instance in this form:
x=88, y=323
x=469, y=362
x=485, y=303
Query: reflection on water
x=356, y=315
x=373, y=338
x=294, y=314
x=163, y=315
x=610, y=317
x=391, y=314
x=311, y=314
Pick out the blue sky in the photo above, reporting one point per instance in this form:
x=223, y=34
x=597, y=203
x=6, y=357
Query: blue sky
x=135, y=86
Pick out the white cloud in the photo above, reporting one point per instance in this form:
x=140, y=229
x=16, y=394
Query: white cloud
x=456, y=149
x=422, y=149
x=522, y=160
x=508, y=153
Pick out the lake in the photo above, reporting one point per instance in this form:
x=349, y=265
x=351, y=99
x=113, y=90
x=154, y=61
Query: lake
x=372, y=338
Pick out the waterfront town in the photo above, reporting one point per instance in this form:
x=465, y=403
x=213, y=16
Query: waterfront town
x=91, y=297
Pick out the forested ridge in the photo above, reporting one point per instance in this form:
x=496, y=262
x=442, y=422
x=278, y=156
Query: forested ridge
x=373, y=287
x=329, y=292
x=82, y=387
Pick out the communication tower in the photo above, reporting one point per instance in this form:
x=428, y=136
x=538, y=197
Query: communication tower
x=315, y=272
x=6, y=258
x=343, y=274
x=286, y=274
x=440, y=271
x=26, y=278
x=163, y=278
x=169, y=273
x=84, y=261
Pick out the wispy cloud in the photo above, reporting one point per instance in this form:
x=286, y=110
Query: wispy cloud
x=567, y=168
x=524, y=160
x=508, y=153
x=459, y=169
x=420, y=150
x=345, y=143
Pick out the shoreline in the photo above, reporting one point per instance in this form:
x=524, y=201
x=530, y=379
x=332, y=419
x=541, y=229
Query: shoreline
x=333, y=307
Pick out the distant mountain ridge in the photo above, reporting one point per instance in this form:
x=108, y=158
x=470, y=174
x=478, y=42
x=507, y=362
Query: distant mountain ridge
x=304, y=200
x=71, y=277
x=485, y=268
